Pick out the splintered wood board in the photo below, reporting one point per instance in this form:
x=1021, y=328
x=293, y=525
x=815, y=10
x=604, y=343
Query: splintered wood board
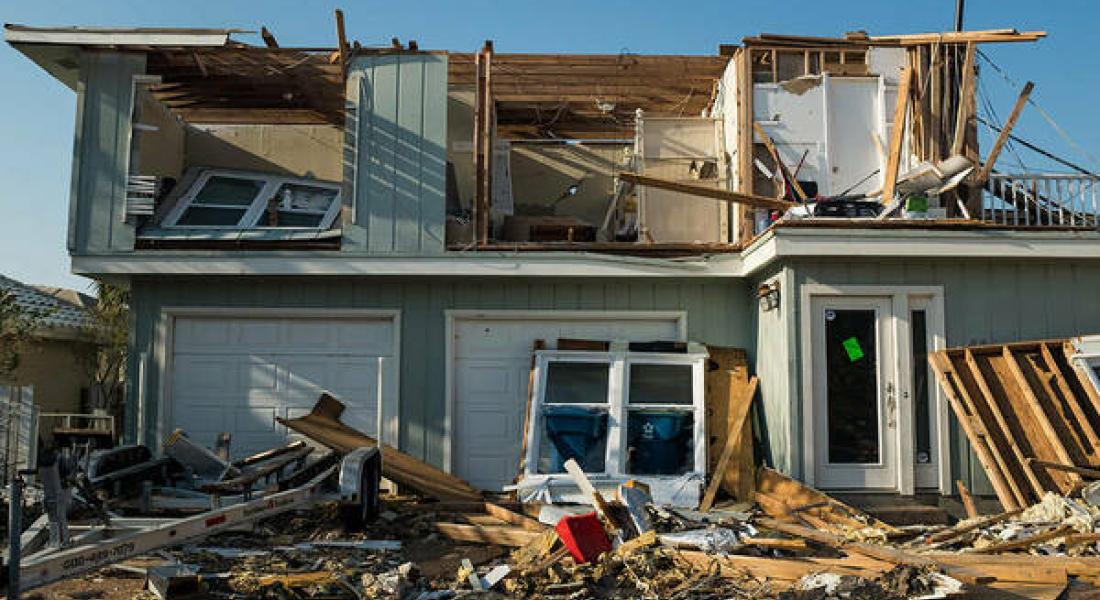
x=1017, y=402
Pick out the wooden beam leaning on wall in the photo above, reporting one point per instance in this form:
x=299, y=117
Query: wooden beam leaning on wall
x=740, y=402
x=787, y=176
x=893, y=158
x=747, y=200
x=1002, y=138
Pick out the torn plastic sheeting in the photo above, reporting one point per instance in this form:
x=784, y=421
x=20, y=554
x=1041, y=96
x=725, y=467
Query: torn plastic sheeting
x=718, y=540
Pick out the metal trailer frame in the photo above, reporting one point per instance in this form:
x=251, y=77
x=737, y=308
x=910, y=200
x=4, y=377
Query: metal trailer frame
x=98, y=546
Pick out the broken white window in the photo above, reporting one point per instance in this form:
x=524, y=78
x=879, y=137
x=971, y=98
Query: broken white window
x=621, y=415
x=225, y=199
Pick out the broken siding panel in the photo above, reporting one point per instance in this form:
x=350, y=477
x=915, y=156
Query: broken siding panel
x=101, y=153
x=423, y=303
x=400, y=162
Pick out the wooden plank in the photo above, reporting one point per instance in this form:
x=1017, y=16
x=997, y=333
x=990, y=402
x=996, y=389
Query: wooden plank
x=322, y=424
x=1068, y=351
x=966, y=90
x=743, y=213
x=268, y=37
x=1039, y=413
x=1082, y=471
x=785, y=497
x=893, y=159
x=487, y=534
x=739, y=411
x=989, y=455
x=1002, y=138
x=342, y=43
x=967, y=500
x=706, y=192
x=782, y=571
x=994, y=408
x=1024, y=543
x=948, y=535
x=801, y=195
x=1065, y=404
x=883, y=553
x=514, y=518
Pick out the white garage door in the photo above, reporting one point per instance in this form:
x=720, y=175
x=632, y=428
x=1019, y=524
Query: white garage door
x=492, y=362
x=238, y=374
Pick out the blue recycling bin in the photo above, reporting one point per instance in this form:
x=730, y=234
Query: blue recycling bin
x=660, y=441
x=577, y=433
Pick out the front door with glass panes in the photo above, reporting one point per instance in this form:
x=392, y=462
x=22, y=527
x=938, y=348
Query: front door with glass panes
x=855, y=415
x=876, y=414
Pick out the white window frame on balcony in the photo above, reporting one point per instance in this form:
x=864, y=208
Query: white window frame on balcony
x=683, y=489
x=255, y=211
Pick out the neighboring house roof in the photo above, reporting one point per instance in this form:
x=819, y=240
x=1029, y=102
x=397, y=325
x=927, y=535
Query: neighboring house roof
x=63, y=311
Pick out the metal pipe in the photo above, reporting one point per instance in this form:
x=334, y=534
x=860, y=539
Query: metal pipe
x=960, y=7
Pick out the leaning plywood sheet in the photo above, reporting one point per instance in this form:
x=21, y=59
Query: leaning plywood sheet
x=1023, y=408
x=323, y=425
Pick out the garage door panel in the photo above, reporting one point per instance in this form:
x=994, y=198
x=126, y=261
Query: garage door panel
x=492, y=358
x=487, y=377
x=238, y=374
x=372, y=339
x=206, y=374
x=258, y=373
x=253, y=334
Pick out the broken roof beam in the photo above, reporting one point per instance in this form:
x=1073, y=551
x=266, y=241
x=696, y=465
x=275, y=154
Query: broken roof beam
x=706, y=192
x=962, y=37
x=268, y=37
x=1002, y=138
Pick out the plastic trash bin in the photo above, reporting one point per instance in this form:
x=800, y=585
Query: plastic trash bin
x=659, y=441
x=575, y=433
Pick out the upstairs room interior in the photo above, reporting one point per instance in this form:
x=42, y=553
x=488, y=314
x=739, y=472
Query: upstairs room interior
x=231, y=145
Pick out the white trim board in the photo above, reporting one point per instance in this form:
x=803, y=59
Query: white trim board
x=816, y=242
x=801, y=403
x=453, y=315
x=162, y=342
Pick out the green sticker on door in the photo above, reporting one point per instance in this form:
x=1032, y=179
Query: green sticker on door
x=852, y=347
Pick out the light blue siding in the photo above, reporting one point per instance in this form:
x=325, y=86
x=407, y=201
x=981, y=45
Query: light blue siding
x=400, y=163
x=717, y=313
x=101, y=153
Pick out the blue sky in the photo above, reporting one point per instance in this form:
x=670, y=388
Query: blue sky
x=36, y=112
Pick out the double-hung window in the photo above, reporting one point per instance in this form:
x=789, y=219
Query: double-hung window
x=621, y=415
x=225, y=199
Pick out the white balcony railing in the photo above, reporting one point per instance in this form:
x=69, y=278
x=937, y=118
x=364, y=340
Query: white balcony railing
x=1042, y=200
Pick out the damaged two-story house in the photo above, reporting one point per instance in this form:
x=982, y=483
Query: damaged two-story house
x=399, y=226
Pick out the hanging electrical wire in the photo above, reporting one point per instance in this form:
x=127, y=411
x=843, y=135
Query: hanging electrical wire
x=1046, y=116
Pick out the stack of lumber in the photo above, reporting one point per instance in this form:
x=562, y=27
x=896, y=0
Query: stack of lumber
x=323, y=425
x=1032, y=418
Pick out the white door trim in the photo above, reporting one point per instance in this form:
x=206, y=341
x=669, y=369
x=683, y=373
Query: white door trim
x=390, y=411
x=885, y=471
x=802, y=405
x=451, y=316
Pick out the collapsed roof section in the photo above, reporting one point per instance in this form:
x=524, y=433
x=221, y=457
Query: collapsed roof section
x=589, y=96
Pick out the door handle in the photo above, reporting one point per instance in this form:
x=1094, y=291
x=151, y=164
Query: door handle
x=891, y=406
